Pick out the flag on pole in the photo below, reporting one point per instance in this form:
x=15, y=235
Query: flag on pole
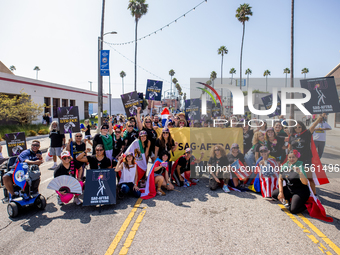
x=137, y=149
x=165, y=114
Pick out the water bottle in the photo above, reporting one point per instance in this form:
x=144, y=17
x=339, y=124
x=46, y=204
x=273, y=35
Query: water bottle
x=25, y=167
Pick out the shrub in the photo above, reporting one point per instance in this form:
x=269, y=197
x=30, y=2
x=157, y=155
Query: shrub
x=32, y=133
x=42, y=132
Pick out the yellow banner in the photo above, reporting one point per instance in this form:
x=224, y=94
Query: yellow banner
x=203, y=140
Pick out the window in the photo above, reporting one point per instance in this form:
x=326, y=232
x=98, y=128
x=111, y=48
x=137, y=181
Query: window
x=64, y=102
x=72, y=102
x=47, y=102
x=56, y=104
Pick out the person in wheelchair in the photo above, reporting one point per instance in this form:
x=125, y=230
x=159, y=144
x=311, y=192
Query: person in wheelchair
x=31, y=157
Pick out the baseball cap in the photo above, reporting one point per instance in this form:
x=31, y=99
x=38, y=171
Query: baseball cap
x=263, y=148
x=128, y=154
x=187, y=150
x=165, y=130
x=65, y=154
x=234, y=145
x=143, y=132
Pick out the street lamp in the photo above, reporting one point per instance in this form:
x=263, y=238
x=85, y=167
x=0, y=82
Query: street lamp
x=100, y=82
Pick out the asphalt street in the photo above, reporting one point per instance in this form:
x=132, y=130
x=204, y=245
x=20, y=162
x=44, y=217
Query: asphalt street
x=191, y=220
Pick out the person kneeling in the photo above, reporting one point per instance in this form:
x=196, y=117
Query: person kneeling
x=129, y=176
x=161, y=174
x=217, y=166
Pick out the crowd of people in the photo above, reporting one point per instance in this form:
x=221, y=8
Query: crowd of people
x=263, y=146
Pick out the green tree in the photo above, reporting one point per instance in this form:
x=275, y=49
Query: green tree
x=232, y=72
x=19, y=108
x=138, y=8
x=213, y=76
x=242, y=15
x=12, y=68
x=248, y=72
x=122, y=75
x=305, y=71
x=286, y=71
x=37, y=69
x=265, y=74
x=222, y=51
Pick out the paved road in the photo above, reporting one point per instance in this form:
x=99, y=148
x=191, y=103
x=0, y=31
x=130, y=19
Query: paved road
x=188, y=220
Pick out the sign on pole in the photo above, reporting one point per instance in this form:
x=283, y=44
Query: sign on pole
x=16, y=143
x=104, y=63
x=324, y=95
x=68, y=118
x=193, y=109
x=154, y=90
x=131, y=102
x=268, y=101
x=100, y=188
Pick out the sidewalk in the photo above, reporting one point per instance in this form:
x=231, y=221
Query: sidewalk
x=44, y=142
x=333, y=138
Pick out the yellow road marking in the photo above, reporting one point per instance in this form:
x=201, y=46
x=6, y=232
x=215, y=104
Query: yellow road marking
x=123, y=228
x=320, y=234
x=132, y=234
x=308, y=233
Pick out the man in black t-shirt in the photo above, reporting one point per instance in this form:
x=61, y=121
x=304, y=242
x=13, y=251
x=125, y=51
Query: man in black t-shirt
x=130, y=134
x=57, y=143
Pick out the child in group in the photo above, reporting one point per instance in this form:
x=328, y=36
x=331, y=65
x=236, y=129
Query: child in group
x=88, y=136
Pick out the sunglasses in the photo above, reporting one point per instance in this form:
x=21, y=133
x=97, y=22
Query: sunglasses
x=66, y=158
x=130, y=126
x=99, y=149
x=217, y=150
x=182, y=123
x=297, y=127
x=263, y=151
x=148, y=122
x=79, y=136
x=165, y=132
x=36, y=145
x=118, y=132
x=104, y=128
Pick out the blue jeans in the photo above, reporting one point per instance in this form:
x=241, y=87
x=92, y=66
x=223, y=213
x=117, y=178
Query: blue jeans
x=127, y=188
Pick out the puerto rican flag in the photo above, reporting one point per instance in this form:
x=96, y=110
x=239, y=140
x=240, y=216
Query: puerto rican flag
x=137, y=149
x=150, y=186
x=268, y=182
x=238, y=168
x=165, y=114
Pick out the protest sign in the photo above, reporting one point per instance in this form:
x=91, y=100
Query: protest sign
x=268, y=101
x=131, y=102
x=324, y=95
x=154, y=90
x=100, y=188
x=16, y=143
x=68, y=118
x=193, y=109
x=216, y=110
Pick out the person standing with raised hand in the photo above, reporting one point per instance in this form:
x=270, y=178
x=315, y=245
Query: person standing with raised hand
x=57, y=143
x=319, y=135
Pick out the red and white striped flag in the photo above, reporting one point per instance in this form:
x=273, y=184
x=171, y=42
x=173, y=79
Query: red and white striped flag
x=238, y=168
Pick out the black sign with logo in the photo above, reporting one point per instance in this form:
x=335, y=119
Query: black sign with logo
x=100, y=188
x=268, y=101
x=68, y=118
x=16, y=143
x=154, y=90
x=216, y=110
x=193, y=109
x=324, y=95
x=131, y=102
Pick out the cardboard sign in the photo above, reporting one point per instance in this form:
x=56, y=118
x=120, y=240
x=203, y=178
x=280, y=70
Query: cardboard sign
x=131, y=102
x=268, y=101
x=216, y=110
x=154, y=90
x=68, y=118
x=324, y=95
x=193, y=109
x=100, y=188
x=16, y=143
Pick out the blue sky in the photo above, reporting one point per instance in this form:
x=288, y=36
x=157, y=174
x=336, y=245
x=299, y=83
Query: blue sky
x=61, y=38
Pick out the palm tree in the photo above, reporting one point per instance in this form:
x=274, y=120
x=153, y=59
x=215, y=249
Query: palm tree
x=185, y=96
x=221, y=51
x=292, y=59
x=248, y=72
x=122, y=75
x=242, y=15
x=305, y=71
x=266, y=73
x=171, y=73
x=138, y=8
x=232, y=72
x=286, y=71
x=213, y=76
x=12, y=68
x=37, y=69
x=174, y=80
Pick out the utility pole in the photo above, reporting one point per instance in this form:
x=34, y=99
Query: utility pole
x=100, y=78
x=90, y=85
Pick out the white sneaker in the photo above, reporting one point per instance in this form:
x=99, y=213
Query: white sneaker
x=225, y=188
x=53, y=167
x=77, y=201
x=195, y=180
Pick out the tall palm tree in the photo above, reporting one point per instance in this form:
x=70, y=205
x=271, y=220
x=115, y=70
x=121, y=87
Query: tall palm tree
x=174, y=80
x=242, y=14
x=185, y=96
x=138, y=8
x=122, y=75
x=12, y=68
x=266, y=73
x=171, y=73
x=286, y=71
x=248, y=72
x=221, y=51
x=37, y=69
x=305, y=71
x=292, y=60
x=232, y=72
x=213, y=76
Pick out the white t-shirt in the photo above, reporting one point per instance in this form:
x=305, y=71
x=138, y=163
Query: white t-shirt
x=128, y=174
x=320, y=135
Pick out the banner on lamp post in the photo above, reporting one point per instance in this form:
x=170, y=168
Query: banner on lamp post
x=104, y=63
